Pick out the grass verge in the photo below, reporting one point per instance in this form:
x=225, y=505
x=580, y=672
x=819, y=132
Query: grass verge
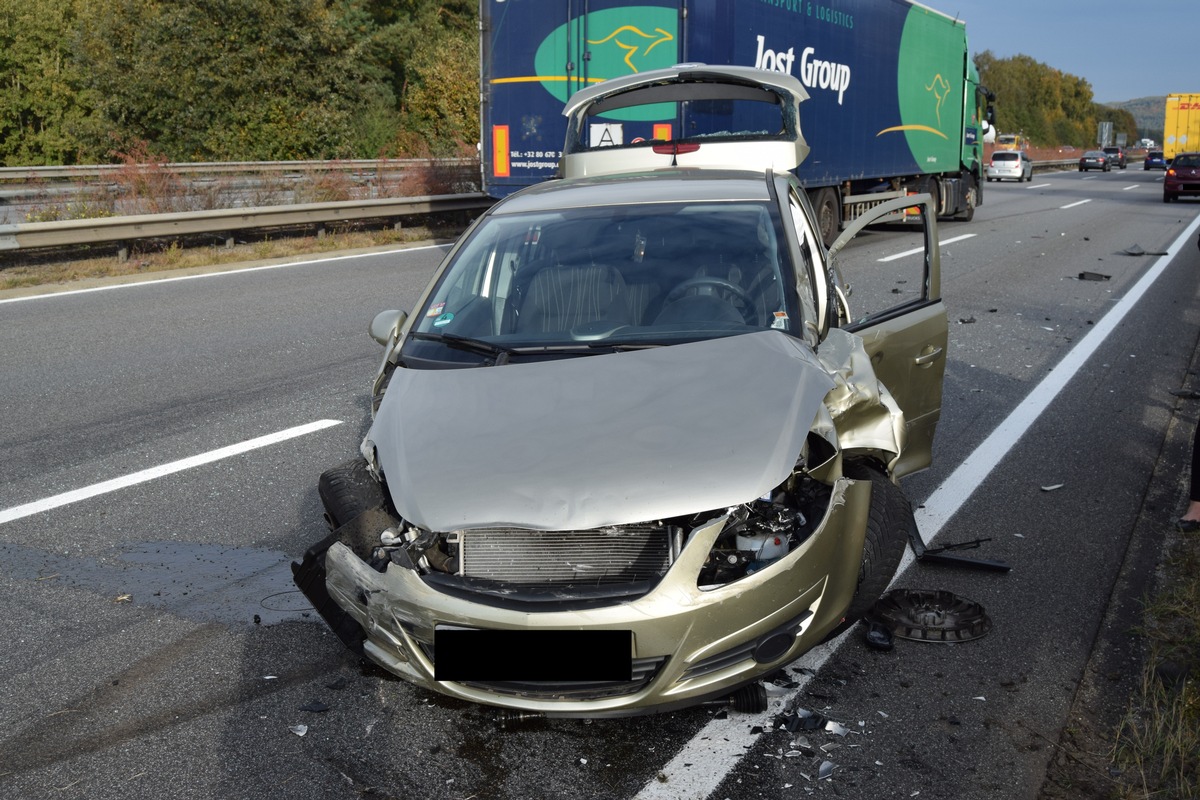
x=1157, y=745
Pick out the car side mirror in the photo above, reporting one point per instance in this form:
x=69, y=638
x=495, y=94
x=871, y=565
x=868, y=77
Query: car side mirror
x=387, y=325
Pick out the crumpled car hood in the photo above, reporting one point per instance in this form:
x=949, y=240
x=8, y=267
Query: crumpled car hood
x=586, y=442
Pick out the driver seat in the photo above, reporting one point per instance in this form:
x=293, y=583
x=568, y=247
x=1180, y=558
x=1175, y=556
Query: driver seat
x=563, y=296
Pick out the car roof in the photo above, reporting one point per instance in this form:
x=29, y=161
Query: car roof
x=679, y=184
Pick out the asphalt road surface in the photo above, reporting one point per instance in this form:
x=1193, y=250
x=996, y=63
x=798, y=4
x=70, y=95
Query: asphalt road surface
x=161, y=444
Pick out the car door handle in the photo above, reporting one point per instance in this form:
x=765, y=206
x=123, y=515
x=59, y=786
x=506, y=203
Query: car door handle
x=928, y=358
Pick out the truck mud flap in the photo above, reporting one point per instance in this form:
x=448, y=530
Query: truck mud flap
x=309, y=576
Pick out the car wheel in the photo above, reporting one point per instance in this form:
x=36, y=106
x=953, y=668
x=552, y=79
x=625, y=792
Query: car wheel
x=347, y=491
x=889, y=525
x=1167, y=198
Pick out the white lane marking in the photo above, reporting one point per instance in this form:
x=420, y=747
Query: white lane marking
x=38, y=506
x=1039, y=185
x=942, y=243
x=1072, y=205
x=152, y=281
x=949, y=497
x=705, y=761
x=1127, y=188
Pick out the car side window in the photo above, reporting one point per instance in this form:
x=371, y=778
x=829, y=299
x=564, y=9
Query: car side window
x=884, y=268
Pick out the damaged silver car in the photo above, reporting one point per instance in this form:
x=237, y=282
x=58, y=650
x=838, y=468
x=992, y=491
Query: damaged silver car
x=631, y=451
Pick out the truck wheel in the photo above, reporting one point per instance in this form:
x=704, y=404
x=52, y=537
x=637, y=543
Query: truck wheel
x=348, y=490
x=968, y=214
x=930, y=187
x=829, y=215
x=889, y=524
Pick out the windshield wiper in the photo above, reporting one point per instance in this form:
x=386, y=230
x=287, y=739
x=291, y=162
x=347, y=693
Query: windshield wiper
x=498, y=352
x=584, y=348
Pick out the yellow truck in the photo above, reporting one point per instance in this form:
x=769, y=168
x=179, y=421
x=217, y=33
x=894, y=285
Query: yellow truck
x=1010, y=141
x=1181, y=131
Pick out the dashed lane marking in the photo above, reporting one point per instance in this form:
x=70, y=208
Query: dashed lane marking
x=112, y=485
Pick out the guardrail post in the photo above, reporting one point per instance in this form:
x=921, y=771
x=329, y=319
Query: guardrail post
x=122, y=252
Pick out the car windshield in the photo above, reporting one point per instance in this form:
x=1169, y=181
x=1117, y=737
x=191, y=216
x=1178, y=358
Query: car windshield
x=584, y=280
x=1189, y=160
x=1005, y=157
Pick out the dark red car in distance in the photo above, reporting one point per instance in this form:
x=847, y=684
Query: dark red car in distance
x=1182, y=178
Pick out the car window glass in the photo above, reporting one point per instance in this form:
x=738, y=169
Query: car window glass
x=884, y=269
x=810, y=257
x=651, y=273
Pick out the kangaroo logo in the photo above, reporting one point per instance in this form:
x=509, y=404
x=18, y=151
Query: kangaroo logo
x=618, y=41
x=631, y=39
x=941, y=90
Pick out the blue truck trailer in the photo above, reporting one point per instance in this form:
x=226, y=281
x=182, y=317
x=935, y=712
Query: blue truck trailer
x=895, y=106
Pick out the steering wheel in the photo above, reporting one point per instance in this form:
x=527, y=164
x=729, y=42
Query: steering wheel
x=729, y=287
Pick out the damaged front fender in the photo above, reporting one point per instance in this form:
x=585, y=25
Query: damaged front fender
x=866, y=417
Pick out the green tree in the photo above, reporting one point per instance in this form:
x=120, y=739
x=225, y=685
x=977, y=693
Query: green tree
x=1049, y=106
x=440, y=100
x=230, y=79
x=88, y=80
x=40, y=105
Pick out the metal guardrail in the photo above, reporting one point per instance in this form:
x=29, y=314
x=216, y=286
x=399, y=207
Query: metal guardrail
x=63, y=233
x=66, y=233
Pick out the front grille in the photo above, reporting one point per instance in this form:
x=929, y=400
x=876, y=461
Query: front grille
x=557, y=558
x=644, y=670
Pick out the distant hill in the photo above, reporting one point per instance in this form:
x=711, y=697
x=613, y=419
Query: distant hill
x=1148, y=111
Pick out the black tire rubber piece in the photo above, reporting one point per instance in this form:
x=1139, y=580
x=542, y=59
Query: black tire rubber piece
x=348, y=490
x=888, y=525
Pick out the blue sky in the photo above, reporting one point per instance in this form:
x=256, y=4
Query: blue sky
x=1125, y=49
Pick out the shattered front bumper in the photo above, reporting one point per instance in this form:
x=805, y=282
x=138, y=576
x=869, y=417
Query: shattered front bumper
x=688, y=645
